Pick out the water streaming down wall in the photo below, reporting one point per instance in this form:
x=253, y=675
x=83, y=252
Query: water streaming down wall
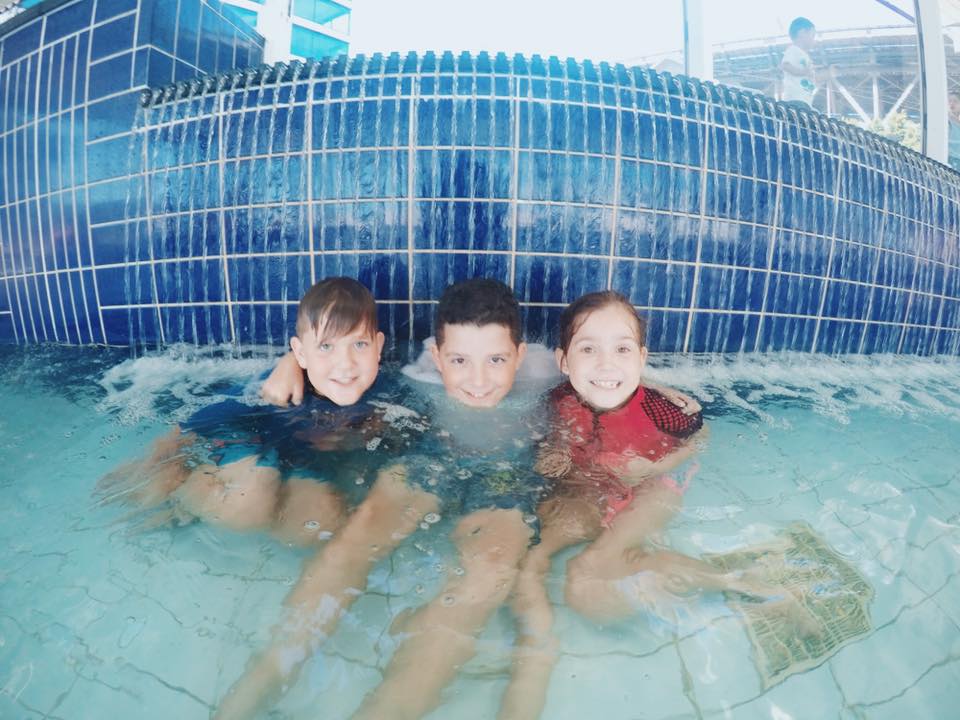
x=734, y=223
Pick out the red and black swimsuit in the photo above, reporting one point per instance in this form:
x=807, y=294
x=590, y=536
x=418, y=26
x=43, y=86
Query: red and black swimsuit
x=602, y=443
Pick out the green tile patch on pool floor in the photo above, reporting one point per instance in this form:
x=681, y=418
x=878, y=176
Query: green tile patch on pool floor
x=833, y=593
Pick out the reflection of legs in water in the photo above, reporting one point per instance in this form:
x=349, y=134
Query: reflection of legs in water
x=329, y=584
x=564, y=522
x=617, y=574
x=149, y=482
x=241, y=495
x=440, y=636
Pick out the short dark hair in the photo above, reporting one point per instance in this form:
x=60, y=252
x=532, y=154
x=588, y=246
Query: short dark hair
x=576, y=313
x=479, y=301
x=341, y=303
x=799, y=25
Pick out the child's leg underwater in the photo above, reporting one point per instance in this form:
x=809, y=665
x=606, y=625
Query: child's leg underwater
x=441, y=635
x=328, y=585
x=564, y=522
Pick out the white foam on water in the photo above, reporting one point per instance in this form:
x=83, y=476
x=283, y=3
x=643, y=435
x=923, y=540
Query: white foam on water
x=173, y=384
x=832, y=386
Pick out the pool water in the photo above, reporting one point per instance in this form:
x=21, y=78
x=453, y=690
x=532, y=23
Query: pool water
x=99, y=620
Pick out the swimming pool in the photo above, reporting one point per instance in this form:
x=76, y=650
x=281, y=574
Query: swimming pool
x=100, y=621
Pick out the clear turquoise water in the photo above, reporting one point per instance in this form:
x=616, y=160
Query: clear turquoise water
x=97, y=621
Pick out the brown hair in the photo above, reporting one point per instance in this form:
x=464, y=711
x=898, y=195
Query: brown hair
x=576, y=313
x=341, y=303
x=479, y=301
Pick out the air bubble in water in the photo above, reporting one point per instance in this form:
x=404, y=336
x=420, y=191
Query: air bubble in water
x=449, y=600
x=424, y=526
x=529, y=519
x=359, y=481
x=458, y=571
x=438, y=567
x=311, y=525
x=432, y=518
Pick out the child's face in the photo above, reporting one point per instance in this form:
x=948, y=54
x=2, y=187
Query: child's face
x=478, y=363
x=341, y=368
x=806, y=38
x=605, y=359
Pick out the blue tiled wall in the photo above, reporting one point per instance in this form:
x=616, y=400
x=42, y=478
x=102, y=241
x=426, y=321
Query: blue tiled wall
x=733, y=223
x=70, y=78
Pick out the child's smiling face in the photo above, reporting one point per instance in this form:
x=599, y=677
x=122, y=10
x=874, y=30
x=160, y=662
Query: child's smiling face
x=605, y=358
x=478, y=363
x=340, y=368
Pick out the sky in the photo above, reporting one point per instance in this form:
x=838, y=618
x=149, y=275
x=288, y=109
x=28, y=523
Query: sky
x=612, y=30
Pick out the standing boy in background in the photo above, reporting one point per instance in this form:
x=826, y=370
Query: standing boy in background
x=799, y=79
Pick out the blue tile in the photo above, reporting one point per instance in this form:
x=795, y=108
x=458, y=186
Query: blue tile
x=563, y=229
x=130, y=285
x=919, y=341
x=794, y=295
x=730, y=289
x=779, y=333
x=541, y=324
x=197, y=281
x=385, y=274
x=839, y=337
x=881, y=338
x=159, y=68
x=138, y=327
x=110, y=8
x=723, y=332
x=22, y=41
x=8, y=332
x=112, y=158
x=550, y=176
x=112, y=38
x=665, y=330
x=462, y=225
x=887, y=305
x=113, y=243
x=259, y=323
x=648, y=284
x=110, y=76
x=274, y=278
x=433, y=272
x=541, y=278
x=846, y=300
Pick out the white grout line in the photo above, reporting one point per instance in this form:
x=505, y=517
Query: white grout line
x=221, y=142
x=411, y=191
x=39, y=236
x=86, y=190
x=20, y=232
x=698, y=263
x=7, y=211
x=771, y=245
x=828, y=268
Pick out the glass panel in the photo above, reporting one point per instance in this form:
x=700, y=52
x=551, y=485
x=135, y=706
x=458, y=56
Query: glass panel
x=248, y=16
x=318, y=11
x=308, y=43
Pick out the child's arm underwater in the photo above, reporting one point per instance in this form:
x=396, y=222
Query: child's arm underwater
x=639, y=470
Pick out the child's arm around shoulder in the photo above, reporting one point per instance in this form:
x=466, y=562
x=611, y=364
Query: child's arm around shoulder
x=285, y=383
x=689, y=430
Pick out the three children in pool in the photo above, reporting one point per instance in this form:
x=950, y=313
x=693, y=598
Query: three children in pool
x=612, y=441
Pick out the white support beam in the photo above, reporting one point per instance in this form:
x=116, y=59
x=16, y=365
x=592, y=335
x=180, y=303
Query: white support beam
x=934, y=74
x=697, y=48
x=857, y=108
x=903, y=96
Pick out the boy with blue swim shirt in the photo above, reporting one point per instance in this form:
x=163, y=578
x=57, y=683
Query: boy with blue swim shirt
x=242, y=467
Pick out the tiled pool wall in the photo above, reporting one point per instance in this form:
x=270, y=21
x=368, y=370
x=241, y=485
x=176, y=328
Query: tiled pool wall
x=734, y=223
